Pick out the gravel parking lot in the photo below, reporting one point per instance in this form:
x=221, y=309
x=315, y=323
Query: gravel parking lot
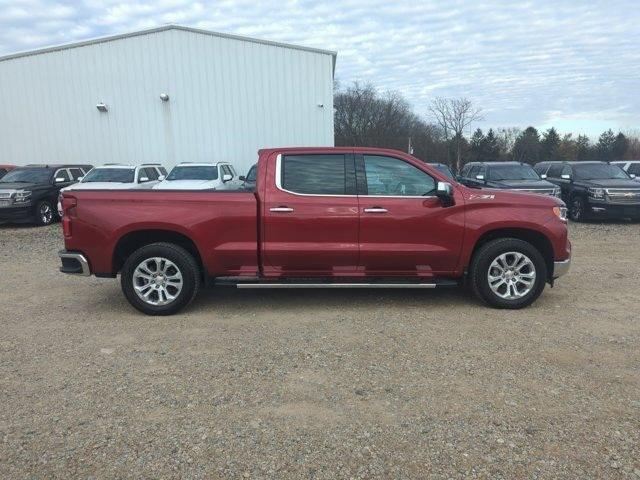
x=320, y=384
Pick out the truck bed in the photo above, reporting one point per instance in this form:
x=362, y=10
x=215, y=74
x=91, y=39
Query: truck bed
x=222, y=226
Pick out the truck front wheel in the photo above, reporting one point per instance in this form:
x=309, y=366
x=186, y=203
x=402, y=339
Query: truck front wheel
x=160, y=279
x=508, y=273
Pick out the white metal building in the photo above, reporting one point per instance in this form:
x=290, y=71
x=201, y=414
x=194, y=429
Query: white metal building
x=169, y=94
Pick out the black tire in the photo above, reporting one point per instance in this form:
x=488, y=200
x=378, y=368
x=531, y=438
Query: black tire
x=44, y=213
x=184, y=263
x=577, y=209
x=485, y=256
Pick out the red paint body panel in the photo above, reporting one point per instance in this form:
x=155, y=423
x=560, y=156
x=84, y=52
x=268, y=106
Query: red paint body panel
x=237, y=234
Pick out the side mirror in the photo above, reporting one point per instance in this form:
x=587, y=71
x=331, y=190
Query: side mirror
x=444, y=191
x=161, y=178
x=60, y=180
x=242, y=178
x=565, y=176
x=480, y=177
x=226, y=177
x=143, y=179
x=632, y=175
x=543, y=176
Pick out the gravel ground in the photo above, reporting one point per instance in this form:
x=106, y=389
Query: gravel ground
x=320, y=384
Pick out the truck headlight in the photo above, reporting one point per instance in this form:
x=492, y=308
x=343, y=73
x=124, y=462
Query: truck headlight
x=22, y=196
x=561, y=213
x=596, y=193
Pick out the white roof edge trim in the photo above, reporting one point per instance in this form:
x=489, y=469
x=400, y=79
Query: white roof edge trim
x=163, y=28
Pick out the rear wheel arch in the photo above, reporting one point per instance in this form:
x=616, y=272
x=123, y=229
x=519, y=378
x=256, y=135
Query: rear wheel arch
x=539, y=240
x=132, y=241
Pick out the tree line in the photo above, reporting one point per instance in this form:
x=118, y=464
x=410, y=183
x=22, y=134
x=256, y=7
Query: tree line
x=365, y=117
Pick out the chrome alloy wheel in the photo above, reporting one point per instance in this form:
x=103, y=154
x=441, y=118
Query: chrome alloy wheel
x=46, y=213
x=157, y=281
x=511, y=275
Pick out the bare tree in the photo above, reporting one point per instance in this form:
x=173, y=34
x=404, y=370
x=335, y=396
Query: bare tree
x=454, y=115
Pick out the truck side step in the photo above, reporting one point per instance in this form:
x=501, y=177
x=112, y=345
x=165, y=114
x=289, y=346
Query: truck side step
x=336, y=285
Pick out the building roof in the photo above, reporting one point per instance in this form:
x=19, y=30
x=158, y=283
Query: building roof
x=163, y=28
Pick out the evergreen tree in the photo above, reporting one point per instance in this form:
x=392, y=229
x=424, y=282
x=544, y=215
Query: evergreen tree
x=491, y=149
x=527, y=146
x=620, y=146
x=476, y=145
x=605, y=145
x=583, y=148
x=550, y=145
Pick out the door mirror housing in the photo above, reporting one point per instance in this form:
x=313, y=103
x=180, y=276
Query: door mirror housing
x=226, y=177
x=444, y=191
x=161, y=178
x=480, y=177
x=242, y=178
x=565, y=176
x=632, y=175
x=60, y=180
x=543, y=176
x=143, y=179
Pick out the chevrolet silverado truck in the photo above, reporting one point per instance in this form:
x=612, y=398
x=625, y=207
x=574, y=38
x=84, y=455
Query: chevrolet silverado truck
x=319, y=217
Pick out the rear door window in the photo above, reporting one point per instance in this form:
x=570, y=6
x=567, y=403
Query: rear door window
x=313, y=174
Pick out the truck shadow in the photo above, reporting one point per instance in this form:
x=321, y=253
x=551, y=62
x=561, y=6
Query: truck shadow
x=255, y=301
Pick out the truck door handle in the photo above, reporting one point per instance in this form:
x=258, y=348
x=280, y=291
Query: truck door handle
x=375, y=210
x=281, y=209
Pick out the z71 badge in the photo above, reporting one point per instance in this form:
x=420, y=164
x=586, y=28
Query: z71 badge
x=484, y=196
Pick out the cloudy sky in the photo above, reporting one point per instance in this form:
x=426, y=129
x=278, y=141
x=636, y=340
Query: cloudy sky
x=572, y=64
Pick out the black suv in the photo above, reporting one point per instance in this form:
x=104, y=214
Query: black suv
x=594, y=189
x=506, y=175
x=30, y=193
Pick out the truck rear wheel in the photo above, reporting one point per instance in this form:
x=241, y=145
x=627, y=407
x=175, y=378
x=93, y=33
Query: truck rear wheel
x=508, y=273
x=160, y=279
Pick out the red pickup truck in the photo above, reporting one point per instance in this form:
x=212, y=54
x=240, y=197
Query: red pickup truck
x=319, y=217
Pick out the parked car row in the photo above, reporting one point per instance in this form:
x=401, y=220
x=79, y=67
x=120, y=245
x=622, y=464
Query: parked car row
x=31, y=193
x=591, y=190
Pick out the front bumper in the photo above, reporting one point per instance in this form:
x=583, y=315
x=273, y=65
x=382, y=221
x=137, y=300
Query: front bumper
x=613, y=210
x=74, y=263
x=16, y=213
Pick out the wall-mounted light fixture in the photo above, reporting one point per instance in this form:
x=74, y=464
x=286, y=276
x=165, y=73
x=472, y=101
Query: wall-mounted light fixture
x=101, y=107
x=164, y=97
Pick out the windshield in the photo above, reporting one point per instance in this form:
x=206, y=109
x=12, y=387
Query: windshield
x=512, y=172
x=114, y=175
x=203, y=172
x=598, y=171
x=446, y=170
x=28, y=175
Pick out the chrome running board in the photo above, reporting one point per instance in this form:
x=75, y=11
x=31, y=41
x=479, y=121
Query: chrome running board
x=336, y=285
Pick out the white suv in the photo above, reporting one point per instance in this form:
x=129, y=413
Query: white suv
x=632, y=167
x=118, y=177
x=201, y=176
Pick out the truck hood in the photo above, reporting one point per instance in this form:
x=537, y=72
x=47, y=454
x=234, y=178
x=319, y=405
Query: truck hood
x=186, y=185
x=609, y=183
x=500, y=197
x=520, y=184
